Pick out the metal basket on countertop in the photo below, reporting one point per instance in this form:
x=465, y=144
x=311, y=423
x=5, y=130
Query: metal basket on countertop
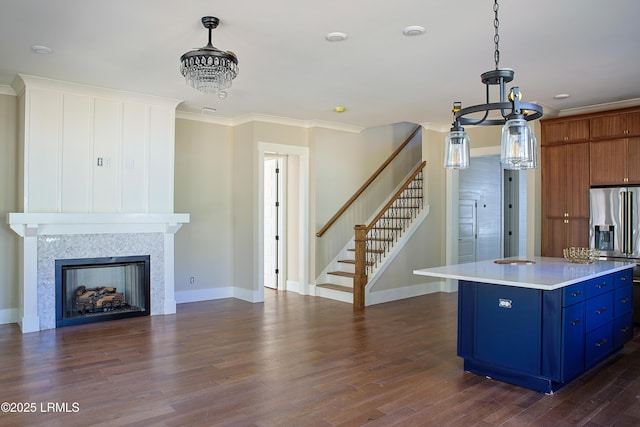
x=581, y=255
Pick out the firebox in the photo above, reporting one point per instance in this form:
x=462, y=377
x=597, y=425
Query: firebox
x=98, y=289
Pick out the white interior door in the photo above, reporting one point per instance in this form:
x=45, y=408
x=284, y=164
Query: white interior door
x=467, y=230
x=272, y=223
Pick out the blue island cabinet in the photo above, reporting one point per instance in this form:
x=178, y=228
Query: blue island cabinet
x=542, y=339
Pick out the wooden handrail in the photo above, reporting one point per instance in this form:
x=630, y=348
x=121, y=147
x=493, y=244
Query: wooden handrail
x=396, y=195
x=364, y=186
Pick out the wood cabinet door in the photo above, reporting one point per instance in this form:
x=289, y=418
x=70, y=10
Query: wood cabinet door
x=633, y=124
x=633, y=160
x=578, y=130
x=613, y=126
x=577, y=233
x=566, y=131
x=553, y=237
x=554, y=132
x=577, y=167
x=554, y=180
x=608, y=160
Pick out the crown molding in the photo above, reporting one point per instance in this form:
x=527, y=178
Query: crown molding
x=23, y=81
x=249, y=118
x=437, y=127
x=7, y=90
x=634, y=102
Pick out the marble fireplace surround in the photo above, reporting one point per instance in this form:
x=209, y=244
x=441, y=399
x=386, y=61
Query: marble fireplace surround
x=51, y=236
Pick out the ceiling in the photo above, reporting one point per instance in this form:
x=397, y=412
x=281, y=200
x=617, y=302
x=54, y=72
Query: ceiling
x=589, y=49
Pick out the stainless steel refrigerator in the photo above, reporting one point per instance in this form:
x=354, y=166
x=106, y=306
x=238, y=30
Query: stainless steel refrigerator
x=613, y=228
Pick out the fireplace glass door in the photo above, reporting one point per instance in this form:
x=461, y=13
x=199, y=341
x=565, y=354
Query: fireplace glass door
x=98, y=289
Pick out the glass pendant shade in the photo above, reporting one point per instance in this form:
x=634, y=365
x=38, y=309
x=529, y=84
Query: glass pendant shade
x=533, y=164
x=456, y=150
x=518, y=145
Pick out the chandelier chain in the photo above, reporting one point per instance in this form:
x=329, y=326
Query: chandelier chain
x=496, y=37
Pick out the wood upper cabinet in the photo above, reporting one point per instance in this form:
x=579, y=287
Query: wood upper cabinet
x=615, y=161
x=633, y=160
x=562, y=131
x=620, y=125
x=615, y=148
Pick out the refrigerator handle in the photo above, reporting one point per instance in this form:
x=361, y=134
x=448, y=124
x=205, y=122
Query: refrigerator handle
x=625, y=218
x=628, y=222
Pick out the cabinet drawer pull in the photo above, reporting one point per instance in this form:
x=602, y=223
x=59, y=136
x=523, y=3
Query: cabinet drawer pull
x=576, y=293
x=602, y=310
x=624, y=278
x=624, y=300
x=601, y=285
x=574, y=322
x=625, y=329
x=601, y=343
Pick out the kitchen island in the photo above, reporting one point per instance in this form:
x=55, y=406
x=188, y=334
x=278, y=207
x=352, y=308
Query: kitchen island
x=540, y=322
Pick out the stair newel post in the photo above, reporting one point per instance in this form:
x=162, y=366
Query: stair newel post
x=360, y=280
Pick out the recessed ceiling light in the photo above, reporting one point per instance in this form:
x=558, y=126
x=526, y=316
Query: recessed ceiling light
x=208, y=110
x=41, y=49
x=562, y=96
x=413, y=30
x=336, y=37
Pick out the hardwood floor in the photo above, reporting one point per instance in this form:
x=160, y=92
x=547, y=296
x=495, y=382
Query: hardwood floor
x=292, y=361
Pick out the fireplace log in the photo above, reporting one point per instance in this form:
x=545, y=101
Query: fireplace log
x=102, y=298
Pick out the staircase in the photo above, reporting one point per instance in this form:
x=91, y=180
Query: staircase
x=355, y=268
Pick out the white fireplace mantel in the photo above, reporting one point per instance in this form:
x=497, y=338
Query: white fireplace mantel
x=83, y=226
x=40, y=224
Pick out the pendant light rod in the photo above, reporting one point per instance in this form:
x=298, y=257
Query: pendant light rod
x=497, y=77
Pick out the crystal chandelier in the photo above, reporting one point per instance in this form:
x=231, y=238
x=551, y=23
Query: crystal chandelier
x=209, y=69
x=518, y=146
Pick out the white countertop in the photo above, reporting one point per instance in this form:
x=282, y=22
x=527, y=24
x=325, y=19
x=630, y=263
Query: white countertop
x=544, y=273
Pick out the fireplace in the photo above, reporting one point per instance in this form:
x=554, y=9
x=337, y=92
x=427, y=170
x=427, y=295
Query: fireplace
x=99, y=289
x=48, y=237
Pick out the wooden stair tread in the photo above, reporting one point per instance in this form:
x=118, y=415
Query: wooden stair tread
x=352, y=261
x=336, y=287
x=377, y=251
x=343, y=274
x=391, y=218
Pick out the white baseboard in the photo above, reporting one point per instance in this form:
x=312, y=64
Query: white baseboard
x=9, y=315
x=217, y=293
x=381, y=297
x=292, y=286
x=203, y=294
x=247, y=295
